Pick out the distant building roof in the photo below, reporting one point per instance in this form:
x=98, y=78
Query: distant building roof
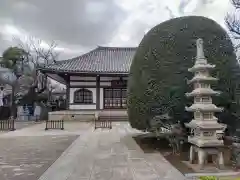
x=109, y=60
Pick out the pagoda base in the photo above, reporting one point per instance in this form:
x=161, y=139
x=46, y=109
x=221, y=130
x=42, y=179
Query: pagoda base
x=204, y=153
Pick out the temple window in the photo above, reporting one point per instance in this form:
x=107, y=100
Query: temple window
x=83, y=96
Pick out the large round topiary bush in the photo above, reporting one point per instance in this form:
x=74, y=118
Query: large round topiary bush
x=160, y=68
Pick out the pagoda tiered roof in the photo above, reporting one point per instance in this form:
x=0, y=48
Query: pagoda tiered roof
x=198, y=67
x=203, y=92
x=204, y=108
x=204, y=126
x=207, y=126
x=200, y=77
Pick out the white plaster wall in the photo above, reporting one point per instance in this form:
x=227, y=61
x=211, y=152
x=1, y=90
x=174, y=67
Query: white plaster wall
x=82, y=83
x=90, y=106
x=82, y=106
x=109, y=78
x=105, y=83
x=94, y=78
x=82, y=78
x=101, y=98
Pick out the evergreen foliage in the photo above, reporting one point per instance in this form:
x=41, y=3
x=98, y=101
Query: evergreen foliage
x=160, y=68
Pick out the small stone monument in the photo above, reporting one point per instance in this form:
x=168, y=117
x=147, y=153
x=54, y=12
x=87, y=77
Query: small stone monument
x=206, y=131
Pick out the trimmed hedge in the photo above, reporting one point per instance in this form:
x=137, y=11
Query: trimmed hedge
x=159, y=69
x=208, y=178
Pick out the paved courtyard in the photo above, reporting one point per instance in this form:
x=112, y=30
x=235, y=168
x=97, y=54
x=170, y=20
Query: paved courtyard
x=26, y=158
x=97, y=155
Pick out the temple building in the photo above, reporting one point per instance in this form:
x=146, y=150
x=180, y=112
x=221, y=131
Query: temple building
x=96, y=80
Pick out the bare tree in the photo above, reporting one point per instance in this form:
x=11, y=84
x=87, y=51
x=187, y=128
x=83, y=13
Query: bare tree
x=37, y=54
x=38, y=51
x=233, y=21
x=30, y=79
x=236, y=3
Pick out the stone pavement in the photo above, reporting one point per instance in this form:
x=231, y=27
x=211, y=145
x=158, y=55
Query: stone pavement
x=27, y=158
x=109, y=155
x=101, y=154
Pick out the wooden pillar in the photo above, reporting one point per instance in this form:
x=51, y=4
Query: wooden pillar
x=98, y=92
x=67, y=93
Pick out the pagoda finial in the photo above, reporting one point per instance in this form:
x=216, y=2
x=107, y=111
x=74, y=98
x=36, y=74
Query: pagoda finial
x=200, y=59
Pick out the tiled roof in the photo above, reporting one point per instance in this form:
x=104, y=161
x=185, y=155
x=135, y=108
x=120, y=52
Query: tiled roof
x=100, y=60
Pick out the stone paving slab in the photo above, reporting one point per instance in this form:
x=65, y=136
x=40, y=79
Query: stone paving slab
x=110, y=155
x=21, y=125
x=27, y=158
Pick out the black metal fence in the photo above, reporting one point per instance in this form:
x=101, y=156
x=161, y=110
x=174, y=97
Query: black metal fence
x=54, y=124
x=7, y=125
x=102, y=123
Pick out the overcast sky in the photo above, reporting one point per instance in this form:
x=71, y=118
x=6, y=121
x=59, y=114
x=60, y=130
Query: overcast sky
x=80, y=25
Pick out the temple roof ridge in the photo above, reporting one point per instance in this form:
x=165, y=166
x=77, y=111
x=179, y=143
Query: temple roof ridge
x=102, y=59
x=115, y=48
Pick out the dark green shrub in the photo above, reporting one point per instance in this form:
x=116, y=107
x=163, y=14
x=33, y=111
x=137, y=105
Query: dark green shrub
x=159, y=69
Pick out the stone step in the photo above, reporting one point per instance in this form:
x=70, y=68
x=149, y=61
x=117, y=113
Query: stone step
x=114, y=118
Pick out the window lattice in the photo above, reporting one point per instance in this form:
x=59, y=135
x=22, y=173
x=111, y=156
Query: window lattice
x=84, y=96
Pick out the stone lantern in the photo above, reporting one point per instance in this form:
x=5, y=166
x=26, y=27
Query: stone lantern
x=206, y=131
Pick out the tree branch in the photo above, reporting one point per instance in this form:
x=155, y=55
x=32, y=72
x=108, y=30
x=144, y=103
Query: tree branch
x=233, y=24
x=38, y=52
x=236, y=3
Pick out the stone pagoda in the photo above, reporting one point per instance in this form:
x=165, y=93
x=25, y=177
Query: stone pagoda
x=205, y=130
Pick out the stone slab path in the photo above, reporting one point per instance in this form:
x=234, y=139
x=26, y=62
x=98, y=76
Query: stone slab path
x=110, y=155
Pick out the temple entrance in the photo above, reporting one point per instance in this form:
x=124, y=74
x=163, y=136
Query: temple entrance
x=115, y=98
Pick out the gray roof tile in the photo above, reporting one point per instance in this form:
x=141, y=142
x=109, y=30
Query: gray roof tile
x=99, y=60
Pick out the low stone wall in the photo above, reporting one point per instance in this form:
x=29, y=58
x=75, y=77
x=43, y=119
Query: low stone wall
x=114, y=115
x=72, y=115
